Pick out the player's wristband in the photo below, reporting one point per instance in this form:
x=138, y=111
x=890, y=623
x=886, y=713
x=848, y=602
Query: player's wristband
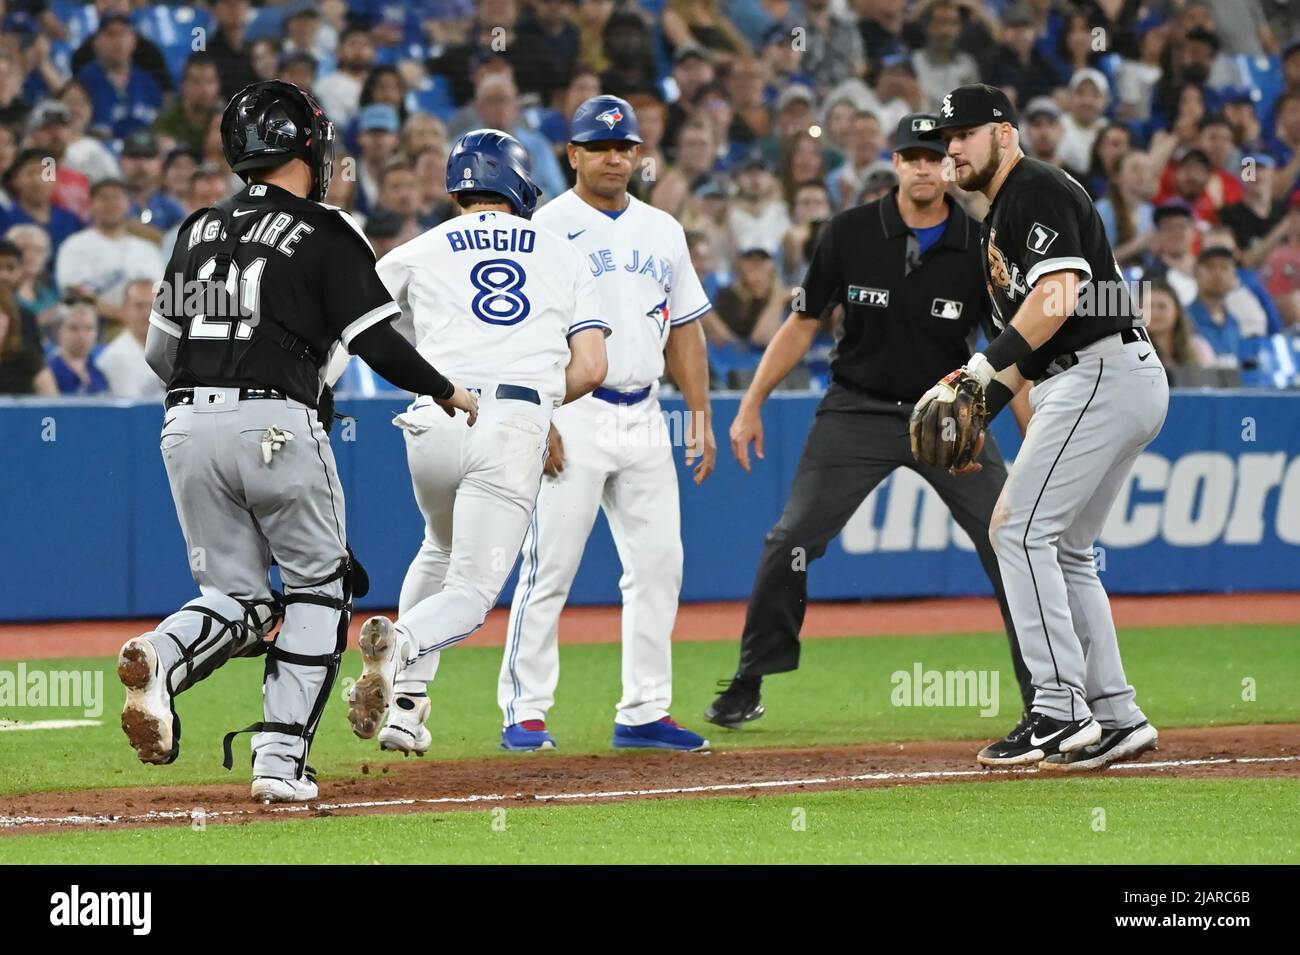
x=996, y=397
x=1007, y=349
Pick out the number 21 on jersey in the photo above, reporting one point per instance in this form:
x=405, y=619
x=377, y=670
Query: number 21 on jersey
x=247, y=286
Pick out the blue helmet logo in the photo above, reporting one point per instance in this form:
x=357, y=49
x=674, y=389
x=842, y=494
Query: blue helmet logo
x=605, y=119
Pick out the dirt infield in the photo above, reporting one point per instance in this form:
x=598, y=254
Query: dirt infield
x=549, y=778
x=723, y=621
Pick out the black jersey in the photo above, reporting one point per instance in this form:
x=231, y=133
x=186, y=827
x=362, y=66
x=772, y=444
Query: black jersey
x=1042, y=221
x=300, y=280
x=907, y=315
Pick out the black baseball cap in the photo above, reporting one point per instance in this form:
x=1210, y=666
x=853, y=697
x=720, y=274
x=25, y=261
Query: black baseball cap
x=1215, y=252
x=1171, y=208
x=973, y=105
x=908, y=135
x=141, y=144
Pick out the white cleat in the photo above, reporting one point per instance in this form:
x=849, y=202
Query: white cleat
x=269, y=789
x=373, y=692
x=147, y=718
x=404, y=731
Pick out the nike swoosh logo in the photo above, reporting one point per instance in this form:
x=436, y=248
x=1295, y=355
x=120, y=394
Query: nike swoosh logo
x=574, y=235
x=1144, y=357
x=243, y=212
x=1035, y=741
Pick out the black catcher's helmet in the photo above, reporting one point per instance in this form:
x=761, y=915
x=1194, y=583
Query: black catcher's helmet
x=268, y=123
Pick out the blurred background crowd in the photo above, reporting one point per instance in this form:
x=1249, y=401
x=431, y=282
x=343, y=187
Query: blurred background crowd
x=761, y=119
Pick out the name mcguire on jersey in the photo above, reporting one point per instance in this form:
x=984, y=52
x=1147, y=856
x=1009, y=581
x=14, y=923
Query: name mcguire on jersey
x=281, y=231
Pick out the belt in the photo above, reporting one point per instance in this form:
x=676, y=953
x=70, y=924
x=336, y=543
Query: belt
x=623, y=397
x=185, y=396
x=513, y=393
x=1067, y=360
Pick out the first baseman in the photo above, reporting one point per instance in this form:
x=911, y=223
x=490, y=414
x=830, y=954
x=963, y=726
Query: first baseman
x=1099, y=398
x=260, y=292
x=611, y=450
x=510, y=309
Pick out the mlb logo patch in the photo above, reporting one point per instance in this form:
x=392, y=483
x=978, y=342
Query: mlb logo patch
x=875, y=297
x=922, y=125
x=945, y=308
x=257, y=190
x=1041, y=238
x=611, y=117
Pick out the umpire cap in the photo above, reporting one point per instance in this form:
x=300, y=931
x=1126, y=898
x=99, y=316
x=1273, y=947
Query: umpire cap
x=488, y=160
x=268, y=123
x=911, y=131
x=605, y=119
x=973, y=105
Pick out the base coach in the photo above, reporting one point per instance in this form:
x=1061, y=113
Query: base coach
x=906, y=269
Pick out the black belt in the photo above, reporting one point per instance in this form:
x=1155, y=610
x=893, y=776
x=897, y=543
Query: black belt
x=185, y=396
x=513, y=393
x=1067, y=360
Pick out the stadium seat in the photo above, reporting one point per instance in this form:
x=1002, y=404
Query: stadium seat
x=172, y=30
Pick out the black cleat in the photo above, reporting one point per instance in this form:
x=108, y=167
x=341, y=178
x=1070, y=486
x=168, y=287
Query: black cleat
x=1038, y=737
x=738, y=703
x=1115, y=746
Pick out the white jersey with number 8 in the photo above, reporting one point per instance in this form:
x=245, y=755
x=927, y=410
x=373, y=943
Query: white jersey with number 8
x=493, y=298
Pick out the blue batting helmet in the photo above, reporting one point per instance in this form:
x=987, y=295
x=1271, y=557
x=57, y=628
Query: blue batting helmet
x=605, y=119
x=488, y=160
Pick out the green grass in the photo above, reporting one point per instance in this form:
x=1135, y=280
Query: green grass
x=1152, y=821
x=842, y=694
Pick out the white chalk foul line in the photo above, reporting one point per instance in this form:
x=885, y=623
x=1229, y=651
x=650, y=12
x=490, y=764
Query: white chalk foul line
x=13, y=726
x=161, y=815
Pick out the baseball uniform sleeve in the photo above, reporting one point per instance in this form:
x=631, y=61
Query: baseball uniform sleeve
x=821, y=284
x=170, y=294
x=687, y=302
x=355, y=297
x=586, y=297
x=1043, y=229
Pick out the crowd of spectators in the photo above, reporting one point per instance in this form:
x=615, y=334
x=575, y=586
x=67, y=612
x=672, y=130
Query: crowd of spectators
x=761, y=119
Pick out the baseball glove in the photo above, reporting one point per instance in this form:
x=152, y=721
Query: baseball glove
x=947, y=424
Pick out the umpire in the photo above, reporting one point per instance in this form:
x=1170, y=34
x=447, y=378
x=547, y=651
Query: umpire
x=906, y=269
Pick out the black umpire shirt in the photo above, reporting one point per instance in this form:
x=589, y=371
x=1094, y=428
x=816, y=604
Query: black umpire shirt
x=302, y=264
x=909, y=318
x=1042, y=220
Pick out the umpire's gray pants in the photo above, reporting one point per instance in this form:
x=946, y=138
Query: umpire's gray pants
x=238, y=513
x=1090, y=423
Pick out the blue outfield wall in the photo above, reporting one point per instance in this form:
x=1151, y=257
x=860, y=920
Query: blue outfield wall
x=90, y=531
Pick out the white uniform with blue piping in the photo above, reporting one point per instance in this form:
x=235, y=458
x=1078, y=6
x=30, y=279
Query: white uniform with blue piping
x=618, y=457
x=493, y=299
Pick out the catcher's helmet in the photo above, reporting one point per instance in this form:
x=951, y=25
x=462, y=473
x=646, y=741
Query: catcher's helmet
x=268, y=123
x=605, y=119
x=488, y=160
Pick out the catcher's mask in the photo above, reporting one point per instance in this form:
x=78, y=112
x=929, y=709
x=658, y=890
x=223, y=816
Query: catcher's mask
x=268, y=123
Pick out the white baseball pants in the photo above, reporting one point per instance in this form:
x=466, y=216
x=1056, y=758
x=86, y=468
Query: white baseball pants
x=476, y=488
x=619, y=458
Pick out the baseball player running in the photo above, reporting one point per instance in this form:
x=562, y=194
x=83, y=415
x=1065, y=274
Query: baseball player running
x=1100, y=397
x=260, y=291
x=612, y=450
x=511, y=309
